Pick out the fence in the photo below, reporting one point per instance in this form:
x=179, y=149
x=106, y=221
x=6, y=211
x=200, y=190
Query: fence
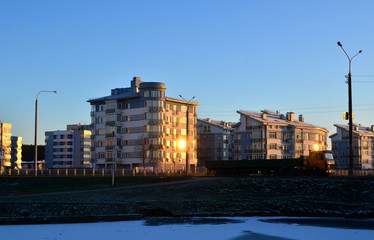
x=362, y=172
x=69, y=172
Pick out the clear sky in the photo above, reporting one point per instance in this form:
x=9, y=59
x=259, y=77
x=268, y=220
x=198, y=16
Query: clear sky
x=232, y=55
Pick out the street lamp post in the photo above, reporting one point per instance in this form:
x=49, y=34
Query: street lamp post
x=187, y=128
x=350, y=172
x=36, y=130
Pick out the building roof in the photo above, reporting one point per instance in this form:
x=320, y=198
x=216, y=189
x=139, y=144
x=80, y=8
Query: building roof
x=357, y=129
x=114, y=97
x=220, y=124
x=181, y=101
x=277, y=119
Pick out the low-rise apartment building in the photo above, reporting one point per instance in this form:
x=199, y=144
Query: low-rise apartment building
x=139, y=125
x=269, y=135
x=214, y=141
x=69, y=148
x=363, y=146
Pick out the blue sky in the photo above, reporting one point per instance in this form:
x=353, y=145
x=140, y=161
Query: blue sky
x=231, y=55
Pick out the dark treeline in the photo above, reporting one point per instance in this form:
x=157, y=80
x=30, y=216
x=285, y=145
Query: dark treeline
x=28, y=152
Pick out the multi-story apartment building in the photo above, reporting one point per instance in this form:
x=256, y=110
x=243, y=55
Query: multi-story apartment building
x=16, y=152
x=363, y=146
x=5, y=142
x=139, y=125
x=69, y=148
x=214, y=141
x=269, y=135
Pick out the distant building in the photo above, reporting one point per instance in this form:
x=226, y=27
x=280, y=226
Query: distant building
x=5, y=145
x=140, y=124
x=363, y=146
x=214, y=141
x=269, y=135
x=69, y=148
x=16, y=152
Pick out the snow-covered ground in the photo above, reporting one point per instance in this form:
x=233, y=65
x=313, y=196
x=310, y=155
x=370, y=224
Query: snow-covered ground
x=197, y=228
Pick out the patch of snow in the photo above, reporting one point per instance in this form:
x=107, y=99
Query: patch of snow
x=239, y=227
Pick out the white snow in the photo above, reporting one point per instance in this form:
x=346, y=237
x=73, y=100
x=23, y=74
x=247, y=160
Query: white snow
x=137, y=230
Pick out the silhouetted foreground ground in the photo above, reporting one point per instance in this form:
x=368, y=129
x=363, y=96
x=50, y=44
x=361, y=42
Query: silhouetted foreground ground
x=306, y=197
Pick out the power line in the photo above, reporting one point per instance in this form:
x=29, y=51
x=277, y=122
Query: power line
x=306, y=108
x=363, y=75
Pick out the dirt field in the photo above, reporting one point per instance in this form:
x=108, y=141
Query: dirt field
x=257, y=196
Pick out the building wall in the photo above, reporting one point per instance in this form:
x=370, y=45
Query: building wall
x=363, y=147
x=16, y=152
x=270, y=140
x=214, y=141
x=5, y=145
x=140, y=123
x=68, y=149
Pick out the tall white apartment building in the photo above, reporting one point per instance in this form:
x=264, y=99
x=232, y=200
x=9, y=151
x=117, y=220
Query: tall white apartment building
x=140, y=127
x=269, y=135
x=5, y=142
x=70, y=148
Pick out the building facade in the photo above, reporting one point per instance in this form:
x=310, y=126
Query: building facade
x=269, y=135
x=16, y=152
x=5, y=145
x=363, y=146
x=69, y=148
x=139, y=126
x=214, y=141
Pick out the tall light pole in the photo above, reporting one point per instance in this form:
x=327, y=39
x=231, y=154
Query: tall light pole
x=36, y=130
x=187, y=128
x=350, y=172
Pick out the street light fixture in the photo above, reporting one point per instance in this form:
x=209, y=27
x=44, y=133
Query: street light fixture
x=36, y=130
x=350, y=113
x=187, y=128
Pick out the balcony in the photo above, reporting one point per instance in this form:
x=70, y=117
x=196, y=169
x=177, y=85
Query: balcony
x=109, y=160
x=156, y=122
x=110, y=110
x=156, y=146
x=156, y=109
x=258, y=151
x=109, y=135
x=110, y=123
x=156, y=134
x=109, y=148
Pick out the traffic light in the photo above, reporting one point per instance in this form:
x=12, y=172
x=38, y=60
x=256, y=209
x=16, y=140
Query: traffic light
x=346, y=116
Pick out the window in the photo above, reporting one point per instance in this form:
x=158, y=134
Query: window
x=155, y=93
x=272, y=135
x=146, y=94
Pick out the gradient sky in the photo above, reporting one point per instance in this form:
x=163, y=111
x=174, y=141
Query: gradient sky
x=232, y=55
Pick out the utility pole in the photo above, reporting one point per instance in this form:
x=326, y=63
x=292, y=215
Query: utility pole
x=187, y=129
x=36, y=131
x=350, y=112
